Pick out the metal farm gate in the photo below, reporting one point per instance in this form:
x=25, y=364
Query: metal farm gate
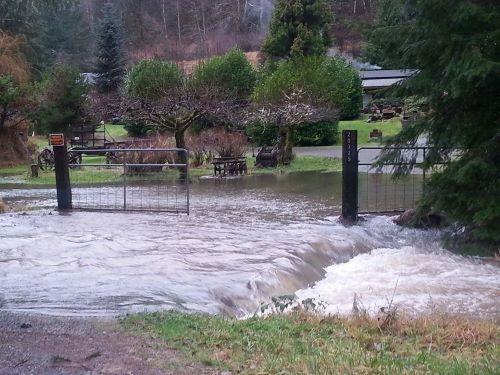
x=379, y=191
x=369, y=189
x=124, y=180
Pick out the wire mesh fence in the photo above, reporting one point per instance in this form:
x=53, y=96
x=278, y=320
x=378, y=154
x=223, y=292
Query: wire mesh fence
x=379, y=191
x=131, y=180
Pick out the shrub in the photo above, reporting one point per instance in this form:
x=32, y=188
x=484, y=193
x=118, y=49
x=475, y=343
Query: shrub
x=205, y=145
x=145, y=157
x=229, y=144
x=137, y=129
x=151, y=79
x=319, y=77
x=231, y=72
x=322, y=133
x=262, y=134
x=201, y=147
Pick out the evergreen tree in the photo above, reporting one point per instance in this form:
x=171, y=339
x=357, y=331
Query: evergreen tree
x=298, y=28
x=457, y=51
x=111, y=61
x=385, y=37
x=65, y=36
x=63, y=101
x=34, y=22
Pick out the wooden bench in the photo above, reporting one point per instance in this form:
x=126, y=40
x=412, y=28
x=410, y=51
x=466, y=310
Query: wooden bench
x=230, y=166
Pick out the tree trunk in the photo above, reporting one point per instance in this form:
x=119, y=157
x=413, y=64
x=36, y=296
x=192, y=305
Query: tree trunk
x=178, y=22
x=285, y=144
x=180, y=142
x=165, y=29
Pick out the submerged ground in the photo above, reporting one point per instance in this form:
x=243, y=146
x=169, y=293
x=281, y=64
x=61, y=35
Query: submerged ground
x=247, y=241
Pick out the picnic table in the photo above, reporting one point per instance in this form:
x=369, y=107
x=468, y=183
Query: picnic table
x=230, y=166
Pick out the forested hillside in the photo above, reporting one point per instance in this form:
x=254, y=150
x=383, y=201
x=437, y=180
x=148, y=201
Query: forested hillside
x=175, y=29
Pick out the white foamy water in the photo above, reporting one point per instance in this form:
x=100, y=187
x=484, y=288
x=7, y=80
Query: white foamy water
x=245, y=242
x=411, y=279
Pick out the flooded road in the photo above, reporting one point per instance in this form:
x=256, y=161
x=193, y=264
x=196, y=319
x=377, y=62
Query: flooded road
x=246, y=240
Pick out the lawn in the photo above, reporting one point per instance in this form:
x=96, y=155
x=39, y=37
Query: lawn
x=116, y=132
x=300, y=164
x=91, y=175
x=388, y=128
x=306, y=344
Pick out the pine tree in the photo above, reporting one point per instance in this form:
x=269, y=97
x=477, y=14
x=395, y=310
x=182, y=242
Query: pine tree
x=298, y=28
x=111, y=62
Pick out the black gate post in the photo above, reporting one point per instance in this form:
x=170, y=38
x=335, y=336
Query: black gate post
x=350, y=176
x=63, y=184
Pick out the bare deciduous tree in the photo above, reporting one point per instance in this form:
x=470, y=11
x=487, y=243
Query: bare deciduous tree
x=292, y=110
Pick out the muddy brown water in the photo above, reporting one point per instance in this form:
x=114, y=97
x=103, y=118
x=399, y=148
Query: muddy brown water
x=246, y=240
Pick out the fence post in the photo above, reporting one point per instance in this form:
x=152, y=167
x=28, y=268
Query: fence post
x=63, y=184
x=350, y=176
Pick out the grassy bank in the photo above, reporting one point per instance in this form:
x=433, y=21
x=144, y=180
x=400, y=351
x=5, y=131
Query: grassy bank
x=305, y=344
x=20, y=175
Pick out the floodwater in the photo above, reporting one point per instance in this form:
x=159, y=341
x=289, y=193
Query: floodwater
x=245, y=241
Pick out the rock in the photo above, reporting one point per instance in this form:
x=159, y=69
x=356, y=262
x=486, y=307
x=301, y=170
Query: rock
x=3, y=207
x=413, y=219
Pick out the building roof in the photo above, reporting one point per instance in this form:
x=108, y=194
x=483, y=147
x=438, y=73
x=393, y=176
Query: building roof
x=386, y=73
x=380, y=83
x=382, y=78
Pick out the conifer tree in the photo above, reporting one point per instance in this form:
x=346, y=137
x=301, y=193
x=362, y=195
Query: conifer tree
x=456, y=50
x=298, y=28
x=110, y=56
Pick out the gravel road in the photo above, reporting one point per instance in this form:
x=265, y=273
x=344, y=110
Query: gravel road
x=41, y=345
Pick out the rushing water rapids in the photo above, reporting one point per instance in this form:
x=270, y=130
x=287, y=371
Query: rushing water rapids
x=245, y=241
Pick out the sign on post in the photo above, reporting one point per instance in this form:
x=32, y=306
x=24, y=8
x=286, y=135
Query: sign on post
x=350, y=176
x=56, y=140
x=63, y=184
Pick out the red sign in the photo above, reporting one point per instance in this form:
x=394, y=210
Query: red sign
x=56, y=139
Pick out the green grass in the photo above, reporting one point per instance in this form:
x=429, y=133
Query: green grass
x=388, y=128
x=115, y=131
x=304, y=344
x=91, y=175
x=300, y=164
x=14, y=171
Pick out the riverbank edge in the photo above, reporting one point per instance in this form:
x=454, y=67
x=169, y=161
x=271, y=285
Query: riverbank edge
x=305, y=343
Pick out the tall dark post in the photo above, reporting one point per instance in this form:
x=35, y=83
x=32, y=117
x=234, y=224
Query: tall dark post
x=63, y=184
x=350, y=176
